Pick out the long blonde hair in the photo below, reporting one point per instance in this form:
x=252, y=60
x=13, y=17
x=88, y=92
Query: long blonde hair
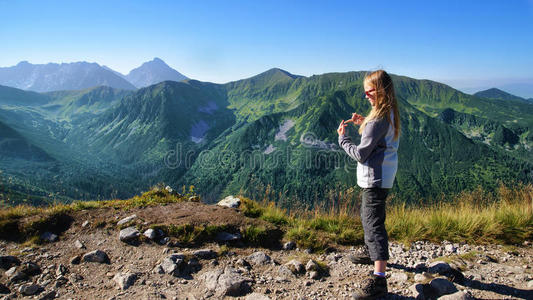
x=385, y=100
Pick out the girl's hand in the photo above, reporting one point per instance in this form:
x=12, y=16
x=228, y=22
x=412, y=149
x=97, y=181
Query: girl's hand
x=357, y=119
x=342, y=128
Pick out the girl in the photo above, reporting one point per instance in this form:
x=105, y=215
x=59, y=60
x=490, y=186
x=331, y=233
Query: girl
x=377, y=162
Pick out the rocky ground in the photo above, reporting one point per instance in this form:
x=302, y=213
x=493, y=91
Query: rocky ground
x=90, y=261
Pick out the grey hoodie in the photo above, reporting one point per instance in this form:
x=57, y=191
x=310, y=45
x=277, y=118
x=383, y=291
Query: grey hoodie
x=376, y=155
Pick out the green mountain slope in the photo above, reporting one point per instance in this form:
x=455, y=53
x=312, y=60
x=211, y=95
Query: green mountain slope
x=272, y=135
x=309, y=168
x=13, y=96
x=68, y=105
x=495, y=93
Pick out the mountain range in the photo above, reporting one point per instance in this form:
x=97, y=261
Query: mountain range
x=272, y=135
x=495, y=93
x=82, y=75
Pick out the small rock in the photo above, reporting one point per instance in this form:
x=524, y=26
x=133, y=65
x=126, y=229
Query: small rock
x=295, y=266
x=230, y=201
x=258, y=258
x=285, y=272
x=311, y=266
x=124, y=281
x=243, y=263
x=399, y=277
x=126, y=220
x=8, y=261
x=460, y=295
x=423, y=291
x=96, y=256
x=61, y=270
x=450, y=248
x=85, y=224
x=256, y=296
x=423, y=278
x=30, y=268
x=314, y=275
x=150, y=233
x=75, y=260
x=226, y=282
x=74, y=277
x=171, y=264
x=79, y=244
x=333, y=257
x=223, y=237
x=205, y=253
x=48, y=296
x=439, y=267
x=30, y=289
x=289, y=245
x=443, y=286
x=158, y=270
x=49, y=237
x=60, y=281
x=15, y=275
x=4, y=289
x=129, y=234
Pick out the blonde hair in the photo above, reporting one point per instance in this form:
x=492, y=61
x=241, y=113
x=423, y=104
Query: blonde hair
x=385, y=100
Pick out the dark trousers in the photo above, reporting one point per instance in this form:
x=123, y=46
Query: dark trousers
x=373, y=219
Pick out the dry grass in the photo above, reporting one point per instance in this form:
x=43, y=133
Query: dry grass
x=56, y=216
x=477, y=217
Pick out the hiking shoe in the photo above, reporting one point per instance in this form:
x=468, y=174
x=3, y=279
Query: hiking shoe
x=361, y=258
x=372, y=287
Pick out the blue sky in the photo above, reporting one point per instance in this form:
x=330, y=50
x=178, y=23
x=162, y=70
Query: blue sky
x=464, y=43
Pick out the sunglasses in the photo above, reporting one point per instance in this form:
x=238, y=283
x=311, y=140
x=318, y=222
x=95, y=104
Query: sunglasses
x=369, y=91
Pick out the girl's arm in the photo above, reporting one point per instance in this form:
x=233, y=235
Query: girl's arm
x=373, y=132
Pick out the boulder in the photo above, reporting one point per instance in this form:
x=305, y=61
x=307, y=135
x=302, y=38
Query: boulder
x=443, y=286
x=226, y=282
x=439, y=267
x=126, y=220
x=258, y=258
x=172, y=263
x=150, y=234
x=295, y=266
x=230, y=201
x=129, y=234
x=96, y=256
x=30, y=289
x=124, y=281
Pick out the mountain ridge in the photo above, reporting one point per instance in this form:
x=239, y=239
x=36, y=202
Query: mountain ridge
x=64, y=76
x=153, y=72
x=273, y=113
